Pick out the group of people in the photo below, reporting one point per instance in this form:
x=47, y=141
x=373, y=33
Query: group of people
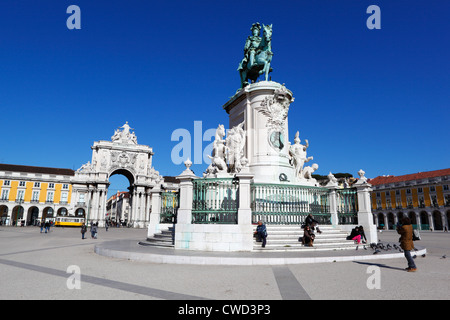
x=309, y=227
x=357, y=234
x=46, y=226
x=94, y=230
x=308, y=235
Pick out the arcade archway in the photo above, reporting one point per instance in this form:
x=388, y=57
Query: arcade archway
x=3, y=214
x=33, y=216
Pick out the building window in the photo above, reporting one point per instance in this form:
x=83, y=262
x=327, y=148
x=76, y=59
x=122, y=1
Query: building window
x=64, y=197
x=421, y=202
x=5, y=194
x=408, y=191
x=51, y=185
x=433, y=189
x=20, y=194
x=81, y=198
x=37, y=184
x=420, y=190
x=447, y=200
x=35, y=196
x=378, y=194
x=65, y=186
x=22, y=183
x=7, y=183
x=50, y=196
x=409, y=201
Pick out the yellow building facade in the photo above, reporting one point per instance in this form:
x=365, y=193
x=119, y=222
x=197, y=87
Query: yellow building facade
x=424, y=197
x=30, y=195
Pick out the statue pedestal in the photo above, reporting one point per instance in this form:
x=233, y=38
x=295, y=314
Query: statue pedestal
x=264, y=106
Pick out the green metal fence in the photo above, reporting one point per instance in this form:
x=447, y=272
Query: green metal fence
x=169, y=207
x=289, y=204
x=215, y=201
x=347, y=205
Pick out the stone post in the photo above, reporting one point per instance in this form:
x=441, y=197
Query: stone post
x=155, y=215
x=332, y=185
x=244, y=236
x=244, y=210
x=365, y=217
x=183, y=228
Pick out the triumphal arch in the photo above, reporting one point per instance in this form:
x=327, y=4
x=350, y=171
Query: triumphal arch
x=122, y=155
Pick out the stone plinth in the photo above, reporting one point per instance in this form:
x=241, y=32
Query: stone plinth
x=263, y=107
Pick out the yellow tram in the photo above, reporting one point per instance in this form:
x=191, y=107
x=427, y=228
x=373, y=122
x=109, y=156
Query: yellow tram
x=68, y=222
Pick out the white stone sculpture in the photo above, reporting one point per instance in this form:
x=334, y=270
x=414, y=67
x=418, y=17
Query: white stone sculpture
x=276, y=108
x=218, y=157
x=308, y=171
x=228, y=154
x=125, y=136
x=235, y=143
x=85, y=168
x=297, y=152
x=332, y=181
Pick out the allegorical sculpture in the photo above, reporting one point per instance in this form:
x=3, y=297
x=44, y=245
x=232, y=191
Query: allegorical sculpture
x=218, y=157
x=124, y=136
x=235, y=148
x=257, y=55
x=227, y=154
x=297, y=152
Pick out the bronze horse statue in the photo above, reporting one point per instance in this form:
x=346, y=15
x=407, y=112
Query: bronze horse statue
x=258, y=55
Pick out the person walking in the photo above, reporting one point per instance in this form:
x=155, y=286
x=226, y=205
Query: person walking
x=261, y=233
x=406, y=242
x=47, y=227
x=94, y=231
x=83, y=230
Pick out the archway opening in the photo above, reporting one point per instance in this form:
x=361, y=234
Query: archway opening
x=381, y=222
x=412, y=217
x=391, y=221
x=32, y=216
x=62, y=212
x=437, y=220
x=48, y=214
x=3, y=214
x=17, y=215
x=118, y=205
x=425, y=224
x=80, y=213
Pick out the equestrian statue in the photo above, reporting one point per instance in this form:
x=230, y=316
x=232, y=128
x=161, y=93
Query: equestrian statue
x=257, y=55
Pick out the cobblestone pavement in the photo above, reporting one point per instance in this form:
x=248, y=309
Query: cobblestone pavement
x=41, y=266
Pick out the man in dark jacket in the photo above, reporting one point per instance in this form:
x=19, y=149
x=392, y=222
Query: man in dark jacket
x=261, y=233
x=83, y=230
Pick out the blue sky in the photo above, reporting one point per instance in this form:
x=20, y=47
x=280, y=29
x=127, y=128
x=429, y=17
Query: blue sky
x=371, y=99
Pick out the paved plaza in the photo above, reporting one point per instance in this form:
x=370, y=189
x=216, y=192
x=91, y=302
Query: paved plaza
x=36, y=265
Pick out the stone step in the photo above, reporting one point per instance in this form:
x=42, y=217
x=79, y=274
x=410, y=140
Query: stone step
x=285, y=238
x=163, y=239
